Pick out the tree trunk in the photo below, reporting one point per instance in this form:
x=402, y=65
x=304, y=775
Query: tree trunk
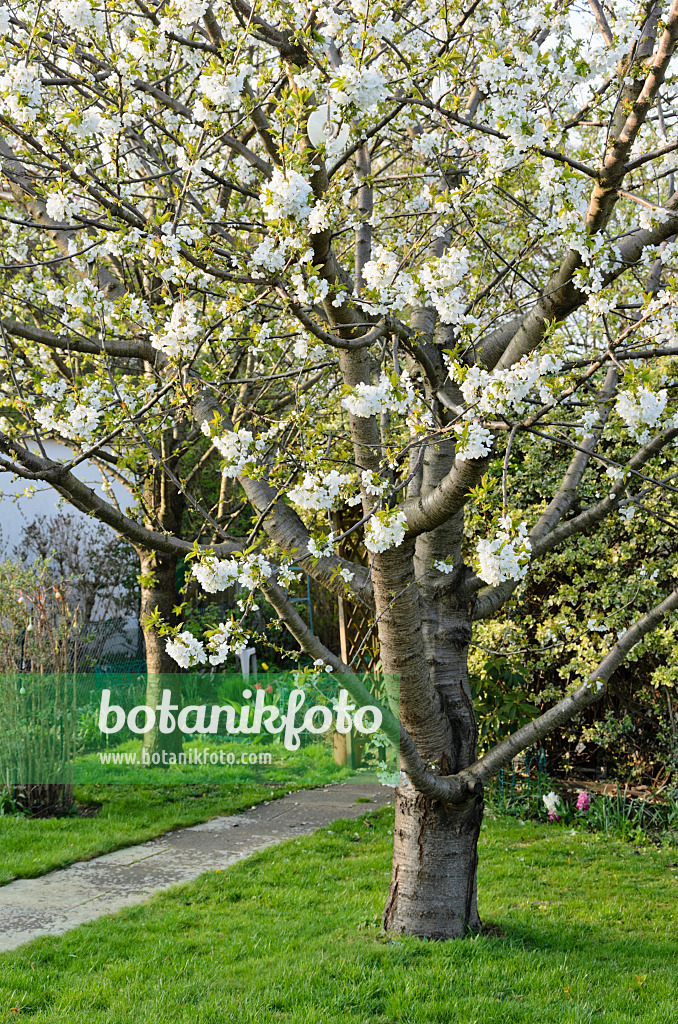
x=159, y=589
x=433, y=884
x=162, y=671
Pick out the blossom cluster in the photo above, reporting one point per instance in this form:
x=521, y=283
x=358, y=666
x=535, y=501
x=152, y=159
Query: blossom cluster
x=21, y=92
x=437, y=283
x=384, y=274
x=316, y=492
x=385, y=530
x=189, y=11
x=442, y=279
x=225, y=640
x=188, y=651
x=583, y=801
x=59, y=206
x=364, y=87
x=269, y=256
x=506, y=556
x=237, y=447
x=287, y=194
x=641, y=410
x=78, y=14
x=552, y=803
x=215, y=575
x=503, y=391
x=178, y=335
x=77, y=420
x=367, y=400
x=475, y=441
x=223, y=89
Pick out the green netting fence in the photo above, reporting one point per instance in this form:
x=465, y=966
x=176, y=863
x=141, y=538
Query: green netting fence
x=519, y=788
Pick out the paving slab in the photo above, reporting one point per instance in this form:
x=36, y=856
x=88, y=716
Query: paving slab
x=63, y=899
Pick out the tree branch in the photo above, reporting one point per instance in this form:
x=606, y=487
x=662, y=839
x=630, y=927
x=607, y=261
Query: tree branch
x=574, y=703
x=452, y=789
x=69, y=343
x=492, y=598
x=84, y=498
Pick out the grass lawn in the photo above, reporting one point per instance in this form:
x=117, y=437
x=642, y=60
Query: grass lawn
x=585, y=929
x=133, y=814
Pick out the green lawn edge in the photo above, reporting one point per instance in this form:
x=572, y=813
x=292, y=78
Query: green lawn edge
x=123, y=815
x=580, y=928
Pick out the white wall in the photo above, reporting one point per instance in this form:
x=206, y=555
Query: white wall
x=22, y=500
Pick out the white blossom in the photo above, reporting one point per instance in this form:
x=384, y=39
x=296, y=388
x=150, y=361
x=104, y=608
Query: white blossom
x=189, y=11
x=21, y=82
x=383, y=273
x=223, y=89
x=234, y=445
x=58, y=206
x=316, y=551
x=186, y=650
x=76, y=14
x=589, y=419
x=369, y=399
x=425, y=145
x=371, y=482
x=507, y=556
x=286, y=195
x=475, y=441
x=441, y=280
x=177, y=336
x=253, y=570
x=641, y=410
x=286, y=574
x=318, y=219
x=316, y=492
x=224, y=641
x=215, y=575
x=364, y=87
x=503, y=391
x=385, y=530
x=269, y=255
x=551, y=802
x=80, y=415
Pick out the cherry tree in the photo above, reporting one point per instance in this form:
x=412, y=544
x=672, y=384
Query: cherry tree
x=369, y=256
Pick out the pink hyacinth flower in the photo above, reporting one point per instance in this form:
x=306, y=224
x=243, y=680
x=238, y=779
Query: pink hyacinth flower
x=583, y=801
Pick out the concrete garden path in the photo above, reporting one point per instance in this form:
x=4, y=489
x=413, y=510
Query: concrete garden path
x=62, y=899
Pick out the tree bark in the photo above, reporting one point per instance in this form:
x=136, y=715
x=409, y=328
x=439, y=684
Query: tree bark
x=159, y=587
x=435, y=856
x=162, y=671
x=433, y=881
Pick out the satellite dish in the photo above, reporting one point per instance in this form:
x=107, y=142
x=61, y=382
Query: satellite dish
x=324, y=125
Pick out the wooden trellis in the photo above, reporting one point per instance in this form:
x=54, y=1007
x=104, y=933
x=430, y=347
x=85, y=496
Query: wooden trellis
x=357, y=635
x=356, y=624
